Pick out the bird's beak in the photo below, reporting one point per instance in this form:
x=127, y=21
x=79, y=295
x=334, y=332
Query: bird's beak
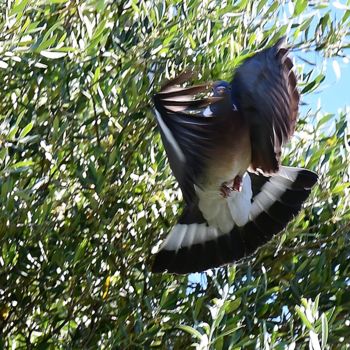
x=221, y=90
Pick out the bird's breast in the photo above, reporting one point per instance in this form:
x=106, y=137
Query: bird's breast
x=231, y=155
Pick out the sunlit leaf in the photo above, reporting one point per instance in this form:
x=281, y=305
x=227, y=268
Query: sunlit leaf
x=3, y=64
x=303, y=317
x=324, y=330
x=26, y=130
x=300, y=6
x=336, y=69
x=18, y=7
x=53, y=54
x=191, y=331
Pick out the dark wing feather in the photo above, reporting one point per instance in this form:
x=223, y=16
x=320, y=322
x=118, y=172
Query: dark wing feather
x=188, y=136
x=265, y=88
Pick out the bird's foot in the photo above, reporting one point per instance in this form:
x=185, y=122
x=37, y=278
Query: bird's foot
x=237, y=183
x=225, y=190
x=229, y=186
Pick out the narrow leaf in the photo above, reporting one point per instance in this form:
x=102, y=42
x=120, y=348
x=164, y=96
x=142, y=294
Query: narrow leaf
x=315, y=345
x=22, y=164
x=3, y=64
x=300, y=6
x=26, y=130
x=53, y=54
x=19, y=7
x=324, y=330
x=336, y=69
x=303, y=318
x=191, y=331
x=80, y=251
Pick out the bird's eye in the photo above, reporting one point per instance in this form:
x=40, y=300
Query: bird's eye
x=221, y=90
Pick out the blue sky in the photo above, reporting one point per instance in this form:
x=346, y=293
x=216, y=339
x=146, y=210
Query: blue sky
x=334, y=93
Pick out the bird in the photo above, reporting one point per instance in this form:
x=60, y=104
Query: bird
x=223, y=141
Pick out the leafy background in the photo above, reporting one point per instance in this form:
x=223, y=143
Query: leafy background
x=86, y=191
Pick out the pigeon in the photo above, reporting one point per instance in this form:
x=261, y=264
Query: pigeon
x=223, y=141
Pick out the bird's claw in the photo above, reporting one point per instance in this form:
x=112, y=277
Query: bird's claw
x=228, y=187
x=237, y=183
x=225, y=190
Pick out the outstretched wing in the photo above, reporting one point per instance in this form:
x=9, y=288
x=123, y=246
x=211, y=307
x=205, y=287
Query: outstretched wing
x=265, y=88
x=188, y=135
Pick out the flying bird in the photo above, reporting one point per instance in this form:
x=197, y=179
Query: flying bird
x=224, y=150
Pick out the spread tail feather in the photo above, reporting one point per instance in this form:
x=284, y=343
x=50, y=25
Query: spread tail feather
x=194, y=246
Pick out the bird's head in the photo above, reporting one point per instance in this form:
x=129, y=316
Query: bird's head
x=224, y=89
x=221, y=88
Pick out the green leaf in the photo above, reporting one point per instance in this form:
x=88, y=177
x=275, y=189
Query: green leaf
x=198, y=307
x=99, y=30
x=80, y=250
x=22, y=164
x=46, y=44
x=228, y=331
x=313, y=84
x=325, y=119
x=324, y=323
x=300, y=6
x=231, y=274
x=232, y=305
x=26, y=130
x=218, y=343
x=18, y=7
x=261, y=4
x=12, y=133
x=164, y=298
x=191, y=331
x=3, y=154
x=303, y=318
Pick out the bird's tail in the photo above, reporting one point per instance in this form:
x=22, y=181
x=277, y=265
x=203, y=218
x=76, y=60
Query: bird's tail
x=193, y=245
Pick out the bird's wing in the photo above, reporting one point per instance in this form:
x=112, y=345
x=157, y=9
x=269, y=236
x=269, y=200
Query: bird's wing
x=188, y=135
x=266, y=90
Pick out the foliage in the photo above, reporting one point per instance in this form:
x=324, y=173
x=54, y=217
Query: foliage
x=86, y=192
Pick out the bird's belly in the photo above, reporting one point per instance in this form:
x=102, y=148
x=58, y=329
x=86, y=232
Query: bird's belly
x=232, y=159
x=224, y=213
x=228, y=162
